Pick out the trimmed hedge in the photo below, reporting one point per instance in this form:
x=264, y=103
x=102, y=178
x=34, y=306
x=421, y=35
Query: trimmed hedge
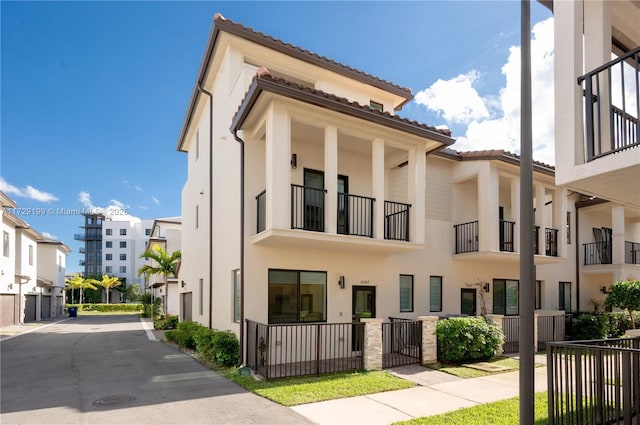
x=463, y=339
x=601, y=325
x=106, y=308
x=169, y=322
x=220, y=347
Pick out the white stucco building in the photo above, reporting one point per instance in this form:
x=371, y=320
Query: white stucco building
x=166, y=233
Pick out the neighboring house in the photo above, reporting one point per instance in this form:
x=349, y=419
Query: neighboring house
x=32, y=271
x=349, y=210
x=597, y=104
x=166, y=233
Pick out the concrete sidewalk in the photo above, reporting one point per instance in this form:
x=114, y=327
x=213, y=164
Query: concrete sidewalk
x=437, y=392
x=12, y=331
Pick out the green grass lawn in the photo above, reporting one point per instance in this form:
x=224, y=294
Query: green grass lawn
x=309, y=389
x=504, y=412
x=463, y=371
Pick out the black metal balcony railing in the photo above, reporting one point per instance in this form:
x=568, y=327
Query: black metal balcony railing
x=594, y=382
x=396, y=221
x=536, y=233
x=307, y=208
x=631, y=252
x=506, y=235
x=355, y=215
x=466, y=235
x=551, y=242
x=597, y=253
x=261, y=211
x=616, y=81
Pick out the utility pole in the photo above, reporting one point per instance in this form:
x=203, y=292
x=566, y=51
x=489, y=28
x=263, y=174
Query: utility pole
x=527, y=267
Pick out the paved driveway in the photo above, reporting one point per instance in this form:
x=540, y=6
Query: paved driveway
x=104, y=370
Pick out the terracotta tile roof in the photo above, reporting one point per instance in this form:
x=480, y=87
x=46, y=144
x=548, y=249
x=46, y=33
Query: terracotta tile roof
x=493, y=154
x=236, y=28
x=342, y=104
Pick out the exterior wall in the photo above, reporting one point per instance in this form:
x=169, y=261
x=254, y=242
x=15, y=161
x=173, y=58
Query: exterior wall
x=8, y=284
x=52, y=266
x=24, y=239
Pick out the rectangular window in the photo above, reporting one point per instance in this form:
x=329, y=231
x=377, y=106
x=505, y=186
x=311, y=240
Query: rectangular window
x=123, y=232
x=109, y=244
x=123, y=244
x=505, y=297
x=123, y=257
x=197, y=217
x=376, y=106
x=297, y=296
x=5, y=244
x=538, y=295
x=31, y=255
x=109, y=232
x=109, y=257
x=201, y=296
x=236, y=295
x=406, y=293
x=564, y=297
x=108, y=269
x=569, y=227
x=147, y=232
x=123, y=269
x=435, y=293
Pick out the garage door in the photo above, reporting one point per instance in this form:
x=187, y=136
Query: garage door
x=7, y=309
x=30, y=308
x=46, y=307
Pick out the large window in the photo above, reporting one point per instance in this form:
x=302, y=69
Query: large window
x=109, y=244
x=123, y=269
x=236, y=295
x=109, y=257
x=123, y=244
x=564, y=297
x=435, y=293
x=123, y=232
x=505, y=297
x=406, y=293
x=123, y=257
x=108, y=232
x=108, y=269
x=297, y=296
x=5, y=244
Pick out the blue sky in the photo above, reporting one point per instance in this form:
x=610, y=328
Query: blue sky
x=93, y=94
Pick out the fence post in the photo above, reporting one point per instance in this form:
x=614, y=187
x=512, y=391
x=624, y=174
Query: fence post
x=498, y=320
x=535, y=332
x=372, y=353
x=429, y=340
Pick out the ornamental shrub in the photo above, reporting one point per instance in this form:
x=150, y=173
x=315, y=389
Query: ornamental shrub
x=169, y=322
x=220, y=347
x=463, y=339
x=108, y=308
x=590, y=326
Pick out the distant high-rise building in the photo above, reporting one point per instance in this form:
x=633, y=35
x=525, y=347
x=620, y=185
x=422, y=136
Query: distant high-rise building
x=92, y=238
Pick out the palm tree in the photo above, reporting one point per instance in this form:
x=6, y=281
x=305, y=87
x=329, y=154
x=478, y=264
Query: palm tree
x=78, y=282
x=165, y=265
x=107, y=283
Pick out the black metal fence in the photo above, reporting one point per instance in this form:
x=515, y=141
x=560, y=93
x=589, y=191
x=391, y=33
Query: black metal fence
x=401, y=342
x=307, y=208
x=550, y=329
x=617, y=81
x=506, y=235
x=631, y=252
x=551, y=242
x=278, y=351
x=261, y=211
x=511, y=330
x=355, y=215
x=536, y=233
x=396, y=221
x=466, y=237
x=597, y=253
x=594, y=382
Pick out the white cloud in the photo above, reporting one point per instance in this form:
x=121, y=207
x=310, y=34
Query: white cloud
x=116, y=210
x=49, y=236
x=155, y=200
x=500, y=127
x=138, y=188
x=85, y=199
x=28, y=191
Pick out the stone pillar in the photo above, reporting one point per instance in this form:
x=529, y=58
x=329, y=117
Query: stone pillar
x=372, y=353
x=429, y=339
x=497, y=319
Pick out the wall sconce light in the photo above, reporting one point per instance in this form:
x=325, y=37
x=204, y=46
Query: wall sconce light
x=182, y=283
x=604, y=290
x=485, y=286
x=341, y=282
x=294, y=160
x=10, y=286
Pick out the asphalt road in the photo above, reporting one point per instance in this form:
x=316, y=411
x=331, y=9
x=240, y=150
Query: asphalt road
x=104, y=370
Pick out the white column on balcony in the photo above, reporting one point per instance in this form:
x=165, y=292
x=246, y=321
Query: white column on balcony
x=540, y=215
x=568, y=97
x=331, y=179
x=560, y=208
x=618, y=232
x=488, y=197
x=278, y=168
x=377, y=180
x=515, y=211
x=416, y=190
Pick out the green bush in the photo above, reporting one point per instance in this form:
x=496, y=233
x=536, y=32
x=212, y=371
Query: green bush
x=106, y=308
x=220, y=347
x=169, y=322
x=226, y=349
x=468, y=338
x=590, y=326
x=182, y=338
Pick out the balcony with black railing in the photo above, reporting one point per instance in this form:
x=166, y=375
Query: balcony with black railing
x=551, y=242
x=466, y=237
x=396, y=221
x=355, y=215
x=307, y=208
x=631, y=252
x=597, y=253
x=506, y=229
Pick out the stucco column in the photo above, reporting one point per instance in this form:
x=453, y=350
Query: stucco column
x=278, y=168
x=331, y=179
x=498, y=320
x=377, y=180
x=560, y=209
x=488, y=187
x=416, y=191
x=540, y=216
x=429, y=339
x=515, y=211
x=617, y=237
x=372, y=353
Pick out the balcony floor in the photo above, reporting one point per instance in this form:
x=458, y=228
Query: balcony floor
x=505, y=256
